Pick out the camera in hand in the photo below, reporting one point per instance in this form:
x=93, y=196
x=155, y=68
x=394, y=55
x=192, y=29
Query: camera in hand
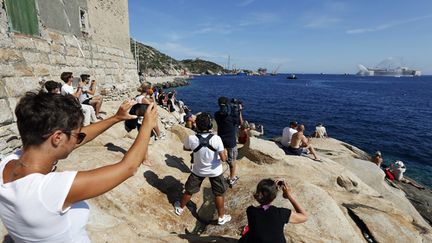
x=140, y=109
x=280, y=183
x=236, y=105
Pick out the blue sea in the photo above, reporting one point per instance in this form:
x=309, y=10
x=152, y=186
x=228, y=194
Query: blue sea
x=390, y=114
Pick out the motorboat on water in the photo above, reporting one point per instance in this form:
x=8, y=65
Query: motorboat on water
x=292, y=76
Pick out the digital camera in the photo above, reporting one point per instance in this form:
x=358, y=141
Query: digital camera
x=236, y=105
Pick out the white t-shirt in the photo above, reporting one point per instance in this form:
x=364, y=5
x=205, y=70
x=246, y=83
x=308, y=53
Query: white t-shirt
x=31, y=207
x=84, y=95
x=321, y=131
x=287, y=134
x=254, y=133
x=67, y=89
x=206, y=162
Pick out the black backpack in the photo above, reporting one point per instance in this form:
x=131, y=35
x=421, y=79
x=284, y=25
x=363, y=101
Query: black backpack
x=203, y=142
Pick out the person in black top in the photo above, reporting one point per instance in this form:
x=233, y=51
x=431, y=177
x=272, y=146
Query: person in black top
x=227, y=123
x=266, y=222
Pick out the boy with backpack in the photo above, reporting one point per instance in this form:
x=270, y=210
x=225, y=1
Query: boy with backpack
x=208, y=152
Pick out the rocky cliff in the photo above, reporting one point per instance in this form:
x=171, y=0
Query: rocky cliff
x=155, y=63
x=347, y=198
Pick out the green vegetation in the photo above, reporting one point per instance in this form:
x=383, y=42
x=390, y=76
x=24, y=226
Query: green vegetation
x=202, y=66
x=153, y=62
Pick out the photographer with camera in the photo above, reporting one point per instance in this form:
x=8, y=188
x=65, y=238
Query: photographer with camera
x=207, y=154
x=39, y=204
x=95, y=101
x=228, y=118
x=253, y=132
x=266, y=222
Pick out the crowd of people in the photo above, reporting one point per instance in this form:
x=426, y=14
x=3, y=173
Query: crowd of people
x=38, y=203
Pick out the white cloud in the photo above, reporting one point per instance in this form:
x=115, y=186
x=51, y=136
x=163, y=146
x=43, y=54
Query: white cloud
x=251, y=20
x=387, y=25
x=322, y=22
x=255, y=19
x=180, y=51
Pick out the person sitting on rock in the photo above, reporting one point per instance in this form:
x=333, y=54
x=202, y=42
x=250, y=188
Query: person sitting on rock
x=287, y=133
x=300, y=144
x=266, y=222
x=398, y=169
x=243, y=136
x=377, y=158
x=161, y=97
x=144, y=98
x=208, y=152
x=189, y=119
x=52, y=87
x=40, y=205
x=320, y=131
x=88, y=96
x=171, y=103
x=67, y=88
x=253, y=132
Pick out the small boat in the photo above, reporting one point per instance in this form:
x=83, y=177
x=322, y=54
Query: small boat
x=292, y=76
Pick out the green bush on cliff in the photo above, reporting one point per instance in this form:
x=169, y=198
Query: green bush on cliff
x=153, y=60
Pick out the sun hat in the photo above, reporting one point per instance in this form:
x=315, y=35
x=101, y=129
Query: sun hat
x=400, y=164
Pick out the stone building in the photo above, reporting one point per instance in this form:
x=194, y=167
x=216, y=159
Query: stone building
x=40, y=39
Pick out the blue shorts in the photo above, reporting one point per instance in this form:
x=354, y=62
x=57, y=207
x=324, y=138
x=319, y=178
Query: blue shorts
x=297, y=151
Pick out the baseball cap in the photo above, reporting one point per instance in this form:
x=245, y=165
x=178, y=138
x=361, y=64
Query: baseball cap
x=293, y=123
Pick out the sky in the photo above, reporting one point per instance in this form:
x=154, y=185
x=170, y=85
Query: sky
x=307, y=36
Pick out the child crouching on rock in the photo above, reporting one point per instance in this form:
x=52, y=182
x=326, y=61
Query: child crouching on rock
x=266, y=222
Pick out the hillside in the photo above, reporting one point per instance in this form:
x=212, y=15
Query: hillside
x=202, y=66
x=155, y=63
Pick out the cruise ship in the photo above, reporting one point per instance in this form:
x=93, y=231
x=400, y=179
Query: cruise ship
x=388, y=67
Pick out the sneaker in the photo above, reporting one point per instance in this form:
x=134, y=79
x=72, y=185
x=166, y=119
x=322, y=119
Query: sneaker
x=177, y=209
x=225, y=219
x=233, y=181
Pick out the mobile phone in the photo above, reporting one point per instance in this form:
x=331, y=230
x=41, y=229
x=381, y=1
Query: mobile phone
x=280, y=183
x=140, y=109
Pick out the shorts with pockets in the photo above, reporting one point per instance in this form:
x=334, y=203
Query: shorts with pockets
x=232, y=154
x=193, y=184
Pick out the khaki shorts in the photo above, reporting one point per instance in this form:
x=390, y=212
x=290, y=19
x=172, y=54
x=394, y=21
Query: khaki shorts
x=193, y=184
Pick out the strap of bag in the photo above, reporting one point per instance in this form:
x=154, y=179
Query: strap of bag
x=204, y=142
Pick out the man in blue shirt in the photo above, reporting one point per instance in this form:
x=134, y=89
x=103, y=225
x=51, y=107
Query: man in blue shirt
x=228, y=120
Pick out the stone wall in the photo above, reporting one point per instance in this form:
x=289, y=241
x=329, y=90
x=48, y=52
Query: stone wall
x=25, y=61
x=109, y=22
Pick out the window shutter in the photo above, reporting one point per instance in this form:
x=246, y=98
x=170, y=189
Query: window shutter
x=22, y=16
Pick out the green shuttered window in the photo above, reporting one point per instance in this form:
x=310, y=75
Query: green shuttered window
x=22, y=16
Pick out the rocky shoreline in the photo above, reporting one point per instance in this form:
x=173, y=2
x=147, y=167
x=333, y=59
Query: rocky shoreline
x=342, y=191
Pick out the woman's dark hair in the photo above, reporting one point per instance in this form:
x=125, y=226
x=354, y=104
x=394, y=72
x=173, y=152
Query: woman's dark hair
x=51, y=85
x=266, y=191
x=204, y=122
x=84, y=77
x=39, y=114
x=65, y=76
